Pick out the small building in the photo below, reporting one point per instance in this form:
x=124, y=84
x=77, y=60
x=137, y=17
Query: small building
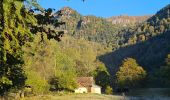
x=87, y=85
x=96, y=89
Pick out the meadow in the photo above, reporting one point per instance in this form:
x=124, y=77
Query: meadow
x=93, y=97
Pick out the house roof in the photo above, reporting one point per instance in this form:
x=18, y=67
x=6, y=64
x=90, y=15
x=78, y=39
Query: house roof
x=85, y=81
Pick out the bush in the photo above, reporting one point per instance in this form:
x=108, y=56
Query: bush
x=108, y=90
x=38, y=84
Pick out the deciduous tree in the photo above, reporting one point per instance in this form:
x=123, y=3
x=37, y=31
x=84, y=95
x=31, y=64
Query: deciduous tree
x=130, y=74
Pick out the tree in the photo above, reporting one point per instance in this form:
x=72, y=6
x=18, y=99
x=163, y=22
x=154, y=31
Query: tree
x=18, y=23
x=161, y=28
x=82, y=52
x=101, y=75
x=151, y=29
x=47, y=23
x=39, y=57
x=15, y=20
x=130, y=74
x=14, y=32
x=165, y=72
x=65, y=73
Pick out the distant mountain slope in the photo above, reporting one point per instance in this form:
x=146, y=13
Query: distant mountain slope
x=127, y=20
x=163, y=13
x=156, y=25
x=92, y=28
x=148, y=43
x=147, y=40
x=70, y=17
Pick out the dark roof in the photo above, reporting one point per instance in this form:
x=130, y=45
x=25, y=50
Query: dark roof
x=85, y=81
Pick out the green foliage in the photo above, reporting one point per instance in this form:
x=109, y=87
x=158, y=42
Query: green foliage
x=108, y=90
x=90, y=28
x=101, y=75
x=165, y=72
x=14, y=32
x=53, y=69
x=156, y=25
x=52, y=65
x=80, y=55
x=143, y=43
x=17, y=25
x=4, y=81
x=130, y=74
x=154, y=35
x=84, y=53
x=64, y=73
x=47, y=24
x=39, y=58
x=38, y=84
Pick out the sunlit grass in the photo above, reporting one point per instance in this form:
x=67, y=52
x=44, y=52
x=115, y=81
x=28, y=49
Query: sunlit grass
x=68, y=96
x=75, y=97
x=93, y=97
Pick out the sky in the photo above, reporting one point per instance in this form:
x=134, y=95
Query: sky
x=108, y=8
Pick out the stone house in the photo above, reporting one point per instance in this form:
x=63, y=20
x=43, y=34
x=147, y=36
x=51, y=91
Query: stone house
x=87, y=85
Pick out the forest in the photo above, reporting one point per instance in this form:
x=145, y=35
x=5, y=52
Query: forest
x=46, y=50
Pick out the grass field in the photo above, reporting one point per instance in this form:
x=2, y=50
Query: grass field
x=76, y=97
x=88, y=97
x=92, y=97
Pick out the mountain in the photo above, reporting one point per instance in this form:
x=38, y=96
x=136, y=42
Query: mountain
x=155, y=25
x=93, y=28
x=146, y=39
x=127, y=20
x=70, y=17
x=164, y=13
x=148, y=43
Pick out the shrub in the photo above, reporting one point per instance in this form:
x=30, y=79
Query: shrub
x=108, y=90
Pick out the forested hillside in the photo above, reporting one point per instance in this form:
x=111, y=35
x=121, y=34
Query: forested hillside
x=156, y=25
x=148, y=43
x=144, y=38
x=91, y=28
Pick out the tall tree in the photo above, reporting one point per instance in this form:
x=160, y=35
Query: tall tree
x=102, y=76
x=14, y=32
x=18, y=23
x=65, y=73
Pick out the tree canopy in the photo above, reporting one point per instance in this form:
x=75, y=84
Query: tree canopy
x=130, y=73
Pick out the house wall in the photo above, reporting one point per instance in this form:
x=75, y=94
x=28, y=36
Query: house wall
x=88, y=89
x=96, y=90
x=80, y=90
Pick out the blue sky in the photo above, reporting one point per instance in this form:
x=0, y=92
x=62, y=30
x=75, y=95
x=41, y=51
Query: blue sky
x=108, y=8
